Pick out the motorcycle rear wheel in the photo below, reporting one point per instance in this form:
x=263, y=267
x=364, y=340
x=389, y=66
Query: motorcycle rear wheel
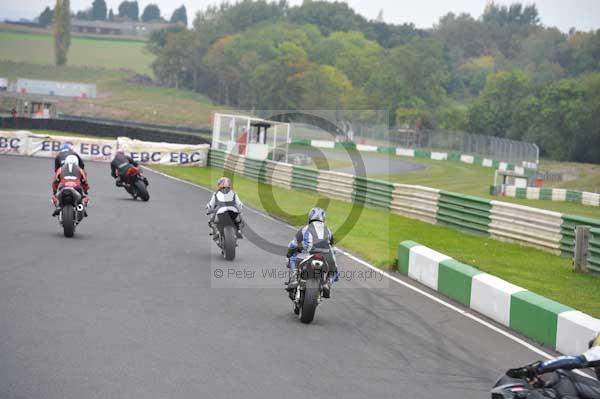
x=68, y=220
x=229, y=242
x=311, y=299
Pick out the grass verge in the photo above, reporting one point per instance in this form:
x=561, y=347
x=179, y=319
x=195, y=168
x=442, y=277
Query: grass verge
x=39, y=49
x=376, y=234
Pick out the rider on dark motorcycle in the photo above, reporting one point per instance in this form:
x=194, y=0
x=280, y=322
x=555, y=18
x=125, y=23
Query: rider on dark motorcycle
x=66, y=150
x=314, y=235
x=225, y=200
x=574, y=386
x=70, y=175
x=120, y=165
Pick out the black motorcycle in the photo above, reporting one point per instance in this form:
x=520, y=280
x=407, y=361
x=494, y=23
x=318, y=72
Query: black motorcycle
x=224, y=233
x=313, y=272
x=562, y=383
x=135, y=183
x=72, y=210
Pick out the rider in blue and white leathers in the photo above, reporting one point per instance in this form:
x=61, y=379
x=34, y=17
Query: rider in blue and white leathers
x=576, y=386
x=314, y=235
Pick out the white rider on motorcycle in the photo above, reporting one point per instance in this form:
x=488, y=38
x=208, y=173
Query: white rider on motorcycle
x=225, y=200
x=575, y=386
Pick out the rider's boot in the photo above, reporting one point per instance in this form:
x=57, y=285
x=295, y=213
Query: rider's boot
x=293, y=281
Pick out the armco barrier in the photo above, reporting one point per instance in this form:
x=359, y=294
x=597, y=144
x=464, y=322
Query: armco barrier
x=547, y=322
x=593, y=261
x=336, y=185
x=551, y=194
x=304, y=178
x=372, y=192
x=464, y=212
x=567, y=242
x=522, y=224
x=415, y=202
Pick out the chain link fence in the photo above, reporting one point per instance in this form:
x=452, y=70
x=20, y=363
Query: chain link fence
x=378, y=134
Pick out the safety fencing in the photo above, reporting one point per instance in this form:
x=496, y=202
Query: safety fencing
x=547, y=322
x=25, y=143
x=546, y=230
x=550, y=194
x=525, y=168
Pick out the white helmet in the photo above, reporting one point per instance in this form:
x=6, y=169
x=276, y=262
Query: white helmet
x=71, y=160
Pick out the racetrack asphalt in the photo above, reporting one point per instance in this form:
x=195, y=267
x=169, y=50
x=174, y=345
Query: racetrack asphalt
x=131, y=308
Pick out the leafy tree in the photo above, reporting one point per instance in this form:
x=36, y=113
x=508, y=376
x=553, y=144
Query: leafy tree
x=351, y=53
x=111, y=15
x=421, y=65
x=46, y=16
x=474, y=72
x=325, y=87
x=465, y=36
x=329, y=17
x=556, y=118
x=452, y=117
x=586, y=52
x=61, y=31
x=99, y=10
x=179, y=16
x=129, y=9
x=151, y=13
x=501, y=109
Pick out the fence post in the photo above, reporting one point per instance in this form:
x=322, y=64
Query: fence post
x=582, y=240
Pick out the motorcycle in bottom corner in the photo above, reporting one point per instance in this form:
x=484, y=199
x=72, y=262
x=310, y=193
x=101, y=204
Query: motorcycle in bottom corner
x=313, y=272
x=524, y=387
x=135, y=183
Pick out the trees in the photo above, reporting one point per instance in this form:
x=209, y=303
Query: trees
x=99, y=10
x=420, y=64
x=61, y=31
x=111, y=15
x=502, y=107
x=130, y=10
x=351, y=53
x=46, y=16
x=151, y=13
x=179, y=16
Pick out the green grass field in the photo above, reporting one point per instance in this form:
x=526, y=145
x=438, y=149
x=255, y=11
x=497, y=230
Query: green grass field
x=113, y=54
x=376, y=234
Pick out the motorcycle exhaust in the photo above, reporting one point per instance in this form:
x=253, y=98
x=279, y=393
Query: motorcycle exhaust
x=80, y=207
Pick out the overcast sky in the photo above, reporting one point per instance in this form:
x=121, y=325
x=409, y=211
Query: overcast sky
x=582, y=14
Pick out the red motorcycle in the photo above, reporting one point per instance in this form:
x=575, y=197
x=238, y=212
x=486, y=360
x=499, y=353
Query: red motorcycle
x=135, y=183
